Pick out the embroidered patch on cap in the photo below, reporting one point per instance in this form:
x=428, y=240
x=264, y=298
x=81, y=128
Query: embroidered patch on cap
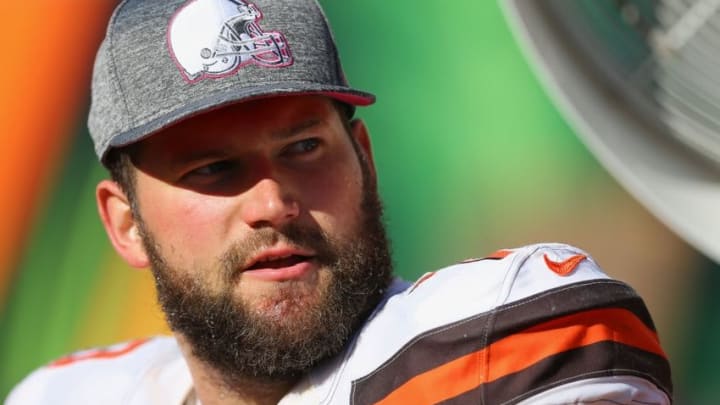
x=215, y=38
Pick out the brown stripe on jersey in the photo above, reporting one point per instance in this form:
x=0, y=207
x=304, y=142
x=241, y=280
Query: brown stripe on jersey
x=445, y=345
x=598, y=360
x=522, y=314
x=522, y=350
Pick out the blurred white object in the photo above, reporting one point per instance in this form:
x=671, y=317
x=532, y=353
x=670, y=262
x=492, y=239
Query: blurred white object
x=638, y=80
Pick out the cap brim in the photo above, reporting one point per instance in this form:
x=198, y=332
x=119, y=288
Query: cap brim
x=346, y=95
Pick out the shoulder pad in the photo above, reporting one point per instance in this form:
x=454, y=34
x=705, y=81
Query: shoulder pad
x=132, y=372
x=501, y=330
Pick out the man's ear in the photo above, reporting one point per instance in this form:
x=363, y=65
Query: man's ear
x=362, y=138
x=120, y=224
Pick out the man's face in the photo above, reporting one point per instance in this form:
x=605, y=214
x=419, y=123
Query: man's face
x=264, y=230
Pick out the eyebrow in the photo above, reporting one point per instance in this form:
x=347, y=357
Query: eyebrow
x=194, y=155
x=294, y=130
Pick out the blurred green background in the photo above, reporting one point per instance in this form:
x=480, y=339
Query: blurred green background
x=472, y=157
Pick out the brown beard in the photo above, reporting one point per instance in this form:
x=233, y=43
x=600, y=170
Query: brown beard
x=243, y=343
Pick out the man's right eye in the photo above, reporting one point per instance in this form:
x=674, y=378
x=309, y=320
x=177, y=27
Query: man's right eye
x=212, y=168
x=209, y=173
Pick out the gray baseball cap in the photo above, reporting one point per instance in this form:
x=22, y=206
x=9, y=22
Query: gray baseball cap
x=163, y=61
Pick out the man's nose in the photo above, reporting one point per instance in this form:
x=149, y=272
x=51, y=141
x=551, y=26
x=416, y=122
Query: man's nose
x=267, y=204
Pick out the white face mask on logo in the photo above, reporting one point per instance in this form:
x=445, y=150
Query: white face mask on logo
x=215, y=38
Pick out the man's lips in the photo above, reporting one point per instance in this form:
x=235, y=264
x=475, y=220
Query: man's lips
x=277, y=262
x=280, y=264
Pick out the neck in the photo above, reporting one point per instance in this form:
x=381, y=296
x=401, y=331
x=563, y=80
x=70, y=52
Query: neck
x=212, y=389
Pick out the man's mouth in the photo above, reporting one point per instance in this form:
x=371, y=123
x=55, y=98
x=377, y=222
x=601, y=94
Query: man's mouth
x=278, y=262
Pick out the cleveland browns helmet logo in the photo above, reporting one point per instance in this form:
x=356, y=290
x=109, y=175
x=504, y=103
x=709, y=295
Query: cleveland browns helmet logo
x=215, y=38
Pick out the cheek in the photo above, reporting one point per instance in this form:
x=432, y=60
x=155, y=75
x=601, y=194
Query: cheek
x=187, y=228
x=334, y=197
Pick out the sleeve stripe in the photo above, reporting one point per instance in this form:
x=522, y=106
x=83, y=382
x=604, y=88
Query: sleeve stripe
x=520, y=351
x=596, y=294
x=437, y=347
x=602, y=359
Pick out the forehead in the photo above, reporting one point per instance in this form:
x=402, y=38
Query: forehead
x=243, y=123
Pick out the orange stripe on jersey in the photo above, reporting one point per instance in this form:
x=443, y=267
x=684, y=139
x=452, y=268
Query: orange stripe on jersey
x=570, y=332
x=421, y=280
x=522, y=350
x=497, y=255
x=98, y=354
x=500, y=254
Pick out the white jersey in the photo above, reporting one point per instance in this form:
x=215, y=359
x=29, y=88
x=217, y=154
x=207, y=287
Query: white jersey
x=540, y=324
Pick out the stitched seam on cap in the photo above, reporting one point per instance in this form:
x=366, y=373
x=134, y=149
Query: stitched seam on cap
x=128, y=123
x=336, y=56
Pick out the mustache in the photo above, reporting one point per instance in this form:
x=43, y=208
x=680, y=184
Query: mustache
x=304, y=237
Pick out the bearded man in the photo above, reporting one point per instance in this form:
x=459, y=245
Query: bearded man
x=239, y=176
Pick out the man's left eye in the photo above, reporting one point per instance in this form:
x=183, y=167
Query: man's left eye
x=302, y=147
